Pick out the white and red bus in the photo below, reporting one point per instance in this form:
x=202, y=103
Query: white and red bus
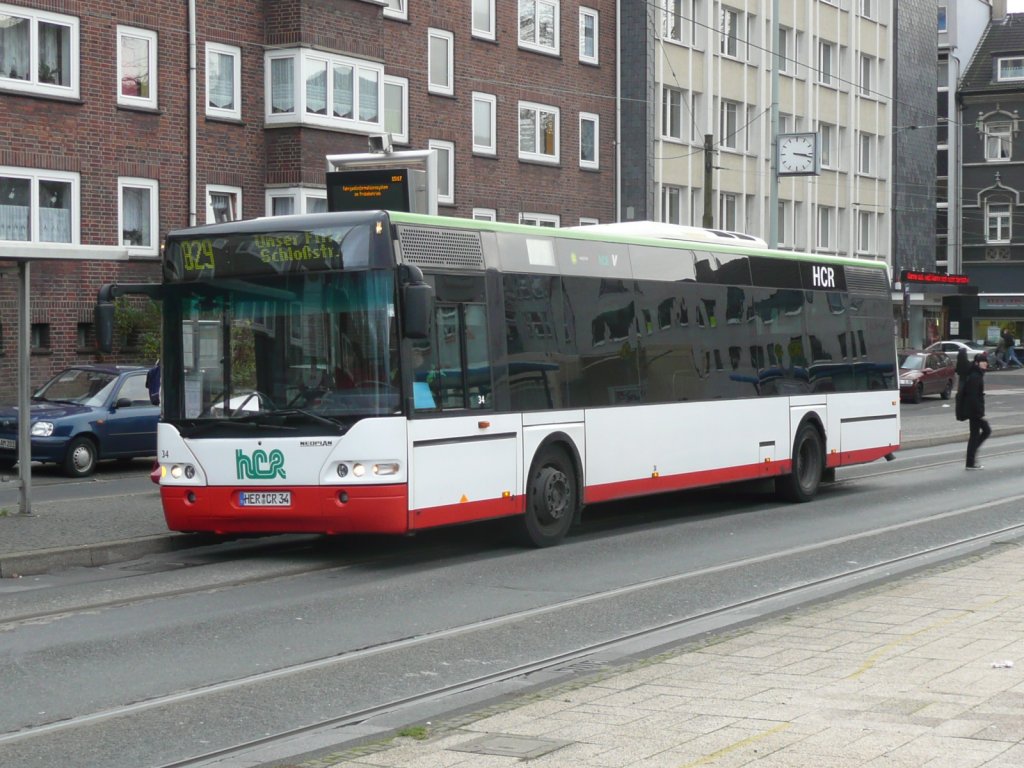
x=390, y=372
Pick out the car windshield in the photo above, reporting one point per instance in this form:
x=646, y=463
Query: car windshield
x=77, y=385
x=912, y=362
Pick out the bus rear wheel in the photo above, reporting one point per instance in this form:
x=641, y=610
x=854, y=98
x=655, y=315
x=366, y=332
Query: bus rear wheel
x=551, y=499
x=801, y=484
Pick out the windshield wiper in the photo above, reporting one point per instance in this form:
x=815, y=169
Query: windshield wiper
x=286, y=412
x=249, y=420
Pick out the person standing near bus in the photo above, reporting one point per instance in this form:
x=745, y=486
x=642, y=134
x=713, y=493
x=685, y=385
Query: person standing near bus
x=973, y=395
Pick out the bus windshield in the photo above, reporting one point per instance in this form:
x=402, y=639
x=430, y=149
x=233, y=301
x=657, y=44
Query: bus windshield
x=313, y=346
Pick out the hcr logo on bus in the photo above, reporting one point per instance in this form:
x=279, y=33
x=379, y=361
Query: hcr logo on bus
x=260, y=465
x=823, y=277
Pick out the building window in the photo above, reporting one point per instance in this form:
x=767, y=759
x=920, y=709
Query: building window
x=483, y=19
x=867, y=67
x=335, y=91
x=396, y=108
x=826, y=63
x=727, y=212
x=485, y=127
x=824, y=239
x=223, y=81
x=672, y=112
x=589, y=140
x=673, y=201
x=588, y=35
x=785, y=52
x=785, y=214
x=137, y=215
x=445, y=170
x=673, y=19
x=85, y=337
x=1010, y=68
x=588, y=221
x=440, y=56
x=942, y=18
x=866, y=149
x=540, y=219
x=729, y=31
x=538, y=25
x=997, y=217
x=826, y=134
x=38, y=52
x=538, y=132
x=284, y=201
x=865, y=232
x=38, y=206
x=39, y=337
x=728, y=125
x=396, y=9
x=223, y=204
x=998, y=144
x=136, y=67
x=485, y=214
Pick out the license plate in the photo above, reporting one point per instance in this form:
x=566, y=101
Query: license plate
x=265, y=498
x=7, y=444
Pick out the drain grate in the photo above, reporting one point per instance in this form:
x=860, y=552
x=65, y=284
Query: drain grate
x=510, y=746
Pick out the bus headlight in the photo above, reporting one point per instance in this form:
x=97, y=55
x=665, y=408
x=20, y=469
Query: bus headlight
x=386, y=468
x=177, y=471
x=358, y=470
x=42, y=429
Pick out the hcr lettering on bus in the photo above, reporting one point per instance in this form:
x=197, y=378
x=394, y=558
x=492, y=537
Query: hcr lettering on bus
x=823, y=277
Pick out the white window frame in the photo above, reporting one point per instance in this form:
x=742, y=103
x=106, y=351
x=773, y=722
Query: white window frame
x=36, y=176
x=589, y=221
x=867, y=69
x=674, y=18
x=785, y=224
x=533, y=43
x=998, y=141
x=728, y=212
x=865, y=153
x=823, y=236
x=300, y=197
x=673, y=203
x=865, y=232
x=785, y=54
x=867, y=9
x=943, y=19
x=153, y=187
x=400, y=136
x=1002, y=219
x=487, y=9
x=827, y=73
x=236, y=54
x=445, y=196
x=595, y=163
x=538, y=110
x=441, y=41
x=301, y=62
x=728, y=123
x=827, y=136
x=729, y=22
x=219, y=189
x=396, y=9
x=588, y=14
x=150, y=36
x=672, y=112
x=485, y=214
x=540, y=219
x=1009, y=68
x=490, y=101
x=33, y=84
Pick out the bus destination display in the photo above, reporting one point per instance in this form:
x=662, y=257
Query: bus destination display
x=260, y=253
x=368, y=190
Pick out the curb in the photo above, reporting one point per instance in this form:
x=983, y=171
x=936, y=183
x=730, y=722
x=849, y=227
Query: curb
x=103, y=553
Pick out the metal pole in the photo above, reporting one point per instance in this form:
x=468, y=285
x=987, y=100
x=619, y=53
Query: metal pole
x=24, y=394
x=709, y=169
x=773, y=181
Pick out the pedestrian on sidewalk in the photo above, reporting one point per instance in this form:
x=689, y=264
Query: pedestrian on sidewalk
x=972, y=398
x=1011, y=353
x=963, y=367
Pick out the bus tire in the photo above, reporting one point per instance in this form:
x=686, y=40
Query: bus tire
x=801, y=484
x=552, y=498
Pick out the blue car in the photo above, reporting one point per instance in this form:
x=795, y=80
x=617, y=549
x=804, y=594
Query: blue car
x=85, y=414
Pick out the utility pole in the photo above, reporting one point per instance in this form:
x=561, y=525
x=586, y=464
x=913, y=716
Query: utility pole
x=709, y=167
x=773, y=181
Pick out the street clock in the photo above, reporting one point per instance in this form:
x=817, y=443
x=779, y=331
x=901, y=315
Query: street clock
x=797, y=154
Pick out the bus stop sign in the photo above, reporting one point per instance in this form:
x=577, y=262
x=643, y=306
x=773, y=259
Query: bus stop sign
x=368, y=190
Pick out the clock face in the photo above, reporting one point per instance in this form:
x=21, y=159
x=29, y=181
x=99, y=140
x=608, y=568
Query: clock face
x=797, y=154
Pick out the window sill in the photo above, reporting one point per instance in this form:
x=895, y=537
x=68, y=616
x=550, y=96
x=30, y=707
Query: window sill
x=224, y=119
x=143, y=110
x=43, y=96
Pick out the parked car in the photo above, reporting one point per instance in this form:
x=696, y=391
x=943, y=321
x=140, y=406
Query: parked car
x=953, y=347
x=85, y=414
x=925, y=373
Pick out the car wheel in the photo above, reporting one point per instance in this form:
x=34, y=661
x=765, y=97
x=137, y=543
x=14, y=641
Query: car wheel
x=948, y=391
x=80, y=460
x=918, y=394
x=551, y=499
x=801, y=484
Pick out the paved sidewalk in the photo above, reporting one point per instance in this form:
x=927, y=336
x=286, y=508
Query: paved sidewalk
x=924, y=672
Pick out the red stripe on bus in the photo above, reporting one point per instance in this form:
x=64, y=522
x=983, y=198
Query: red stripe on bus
x=467, y=512
x=665, y=483
x=314, y=509
x=863, y=456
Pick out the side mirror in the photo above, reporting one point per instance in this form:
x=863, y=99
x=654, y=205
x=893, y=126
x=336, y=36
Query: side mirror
x=123, y=402
x=417, y=309
x=104, y=319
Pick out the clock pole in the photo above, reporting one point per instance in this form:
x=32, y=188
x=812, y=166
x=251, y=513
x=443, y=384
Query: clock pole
x=773, y=182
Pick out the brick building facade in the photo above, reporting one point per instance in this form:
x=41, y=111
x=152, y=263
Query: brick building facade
x=95, y=148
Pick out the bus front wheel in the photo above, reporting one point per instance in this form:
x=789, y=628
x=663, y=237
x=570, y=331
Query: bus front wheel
x=551, y=498
x=801, y=484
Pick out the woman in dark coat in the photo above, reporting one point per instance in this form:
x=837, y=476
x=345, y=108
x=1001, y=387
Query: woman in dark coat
x=973, y=397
